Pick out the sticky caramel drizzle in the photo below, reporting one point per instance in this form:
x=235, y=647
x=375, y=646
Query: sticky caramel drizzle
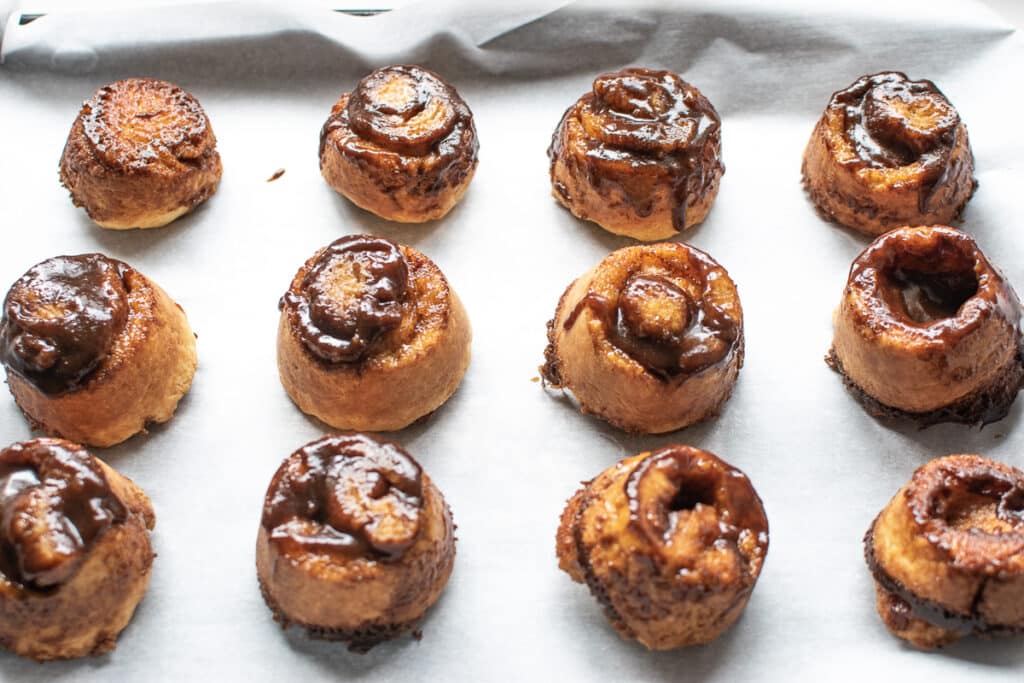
x=894, y=122
x=658, y=324
x=407, y=110
x=346, y=497
x=932, y=282
x=349, y=298
x=55, y=501
x=640, y=121
x=61, y=320
x=687, y=502
x=973, y=508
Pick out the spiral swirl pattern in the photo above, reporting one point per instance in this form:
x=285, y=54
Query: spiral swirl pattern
x=141, y=123
x=55, y=501
x=61, y=319
x=889, y=152
x=673, y=316
x=350, y=296
x=640, y=154
x=344, y=497
x=670, y=542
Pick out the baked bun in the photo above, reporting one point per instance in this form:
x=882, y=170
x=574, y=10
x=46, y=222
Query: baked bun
x=670, y=542
x=355, y=542
x=75, y=553
x=371, y=336
x=929, y=330
x=640, y=155
x=947, y=552
x=650, y=339
x=401, y=145
x=94, y=350
x=889, y=152
x=140, y=154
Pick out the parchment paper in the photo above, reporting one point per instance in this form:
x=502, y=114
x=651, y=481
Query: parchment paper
x=506, y=454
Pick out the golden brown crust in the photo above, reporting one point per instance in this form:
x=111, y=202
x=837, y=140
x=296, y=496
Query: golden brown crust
x=402, y=145
x=889, y=152
x=987, y=404
x=357, y=594
x=947, y=552
x=84, y=615
x=650, y=339
x=670, y=543
x=928, y=328
x=640, y=155
x=410, y=370
x=360, y=640
x=140, y=154
x=144, y=375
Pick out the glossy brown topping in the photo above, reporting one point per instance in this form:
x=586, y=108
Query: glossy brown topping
x=61, y=320
x=55, y=501
x=142, y=124
x=973, y=509
x=681, y=497
x=350, y=295
x=670, y=323
x=406, y=110
x=932, y=282
x=894, y=122
x=643, y=124
x=345, y=497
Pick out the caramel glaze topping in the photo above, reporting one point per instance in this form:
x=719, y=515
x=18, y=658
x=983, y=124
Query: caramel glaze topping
x=678, y=492
x=972, y=509
x=345, y=497
x=349, y=297
x=894, y=122
x=142, y=123
x=643, y=124
x=657, y=323
x=406, y=110
x=933, y=283
x=55, y=501
x=61, y=320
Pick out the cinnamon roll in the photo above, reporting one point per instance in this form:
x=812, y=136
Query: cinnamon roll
x=140, y=154
x=94, y=350
x=75, y=553
x=355, y=543
x=947, y=552
x=371, y=335
x=650, y=339
x=402, y=145
x=929, y=330
x=640, y=155
x=670, y=542
x=889, y=152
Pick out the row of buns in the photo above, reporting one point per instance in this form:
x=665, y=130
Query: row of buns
x=640, y=154
x=355, y=543
x=372, y=336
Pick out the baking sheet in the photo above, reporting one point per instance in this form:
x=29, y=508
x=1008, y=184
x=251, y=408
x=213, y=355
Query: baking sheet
x=506, y=454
